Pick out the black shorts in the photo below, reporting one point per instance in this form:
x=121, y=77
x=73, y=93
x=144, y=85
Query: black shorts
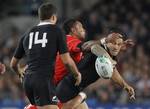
x=39, y=89
x=66, y=89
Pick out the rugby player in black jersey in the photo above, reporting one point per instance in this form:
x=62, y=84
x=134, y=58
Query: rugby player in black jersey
x=40, y=46
x=67, y=92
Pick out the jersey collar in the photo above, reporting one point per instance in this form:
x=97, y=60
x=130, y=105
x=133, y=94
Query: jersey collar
x=68, y=35
x=44, y=23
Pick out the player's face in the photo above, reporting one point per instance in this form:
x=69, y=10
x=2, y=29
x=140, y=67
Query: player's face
x=115, y=45
x=79, y=31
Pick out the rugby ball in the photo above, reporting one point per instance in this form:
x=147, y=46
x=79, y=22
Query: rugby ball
x=104, y=67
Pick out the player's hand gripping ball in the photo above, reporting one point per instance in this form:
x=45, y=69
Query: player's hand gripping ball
x=104, y=67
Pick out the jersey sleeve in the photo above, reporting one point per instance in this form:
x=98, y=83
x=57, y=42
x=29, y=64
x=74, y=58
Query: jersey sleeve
x=19, y=52
x=62, y=46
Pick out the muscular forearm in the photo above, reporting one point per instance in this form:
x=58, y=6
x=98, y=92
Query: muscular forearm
x=117, y=78
x=86, y=46
x=69, y=63
x=72, y=67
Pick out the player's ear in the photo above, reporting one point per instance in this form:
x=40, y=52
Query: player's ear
x=53, y=17
x=73, y=30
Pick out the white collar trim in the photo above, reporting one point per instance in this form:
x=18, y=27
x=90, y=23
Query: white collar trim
x=44, y=23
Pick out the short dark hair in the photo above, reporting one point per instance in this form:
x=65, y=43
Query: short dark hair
x=68, y=24
x=46, y=10
x=118, y=30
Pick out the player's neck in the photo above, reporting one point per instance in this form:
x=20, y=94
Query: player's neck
x=71, y=34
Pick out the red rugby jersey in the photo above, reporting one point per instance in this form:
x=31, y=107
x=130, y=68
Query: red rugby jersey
x=76, y=54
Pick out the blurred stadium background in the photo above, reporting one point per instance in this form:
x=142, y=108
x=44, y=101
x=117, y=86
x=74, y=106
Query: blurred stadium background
x=132, y=16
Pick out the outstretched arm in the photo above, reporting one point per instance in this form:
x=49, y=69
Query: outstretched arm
x=87, y=45
x=117, y=78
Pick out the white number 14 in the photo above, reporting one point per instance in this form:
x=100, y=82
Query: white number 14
x=42, y=41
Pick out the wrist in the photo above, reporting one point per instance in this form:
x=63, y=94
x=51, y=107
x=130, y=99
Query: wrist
x=83, y=95
x=76, y=74
x=103, y=41
x=125, y=86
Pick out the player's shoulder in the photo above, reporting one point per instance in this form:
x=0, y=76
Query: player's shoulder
x=59, y=31
x=105, y=47
x=49, y=26
x=53, y=28
x=43, y=27
x=58, y=28
x=71, y=39
x=23, y=36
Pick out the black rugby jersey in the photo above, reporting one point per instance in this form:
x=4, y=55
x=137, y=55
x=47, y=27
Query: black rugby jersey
x=40, y=45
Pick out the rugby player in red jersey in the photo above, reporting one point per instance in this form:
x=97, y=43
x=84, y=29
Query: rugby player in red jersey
x=75, y=34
